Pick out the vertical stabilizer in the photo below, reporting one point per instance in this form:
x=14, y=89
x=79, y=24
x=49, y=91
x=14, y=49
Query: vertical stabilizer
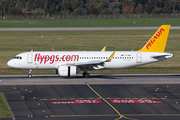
x=157, y=43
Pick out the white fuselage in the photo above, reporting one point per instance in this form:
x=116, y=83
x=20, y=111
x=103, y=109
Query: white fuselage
x=51, y=60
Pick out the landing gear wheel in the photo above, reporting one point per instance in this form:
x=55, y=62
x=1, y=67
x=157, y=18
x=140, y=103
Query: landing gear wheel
x=86, y=75
x=29, y=76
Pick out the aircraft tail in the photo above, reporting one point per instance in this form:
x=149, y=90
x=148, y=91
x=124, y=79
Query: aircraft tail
x=157, y=43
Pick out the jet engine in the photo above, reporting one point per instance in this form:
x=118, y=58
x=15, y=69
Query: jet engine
x=67, y=70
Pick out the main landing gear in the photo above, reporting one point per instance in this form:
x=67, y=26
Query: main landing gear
x=86, y=75
x=30, y=74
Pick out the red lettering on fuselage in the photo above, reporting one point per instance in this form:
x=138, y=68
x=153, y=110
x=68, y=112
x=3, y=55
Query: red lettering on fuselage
x=57, y=58
x=63, y=57
x=68, y=58
x=54, y=58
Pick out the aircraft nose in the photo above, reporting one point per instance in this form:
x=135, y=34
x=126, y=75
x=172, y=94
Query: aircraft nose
x=10, y=63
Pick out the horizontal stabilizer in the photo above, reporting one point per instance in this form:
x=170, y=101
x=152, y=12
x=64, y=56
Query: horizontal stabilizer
x=163, y=56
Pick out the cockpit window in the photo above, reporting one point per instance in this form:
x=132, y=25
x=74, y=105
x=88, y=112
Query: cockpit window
x=17, y=57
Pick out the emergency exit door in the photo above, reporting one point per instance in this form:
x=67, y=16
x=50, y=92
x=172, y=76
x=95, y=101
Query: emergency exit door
x=138, y=58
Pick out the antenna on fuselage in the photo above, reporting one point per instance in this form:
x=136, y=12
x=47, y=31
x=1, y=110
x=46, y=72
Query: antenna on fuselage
x=31, y=50
x=53, y=48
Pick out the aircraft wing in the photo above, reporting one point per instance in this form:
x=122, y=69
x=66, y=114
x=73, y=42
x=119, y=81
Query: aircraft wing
x=95, y=62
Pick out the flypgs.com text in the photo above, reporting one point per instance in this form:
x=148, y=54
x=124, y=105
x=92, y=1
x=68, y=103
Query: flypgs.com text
x=55, y=58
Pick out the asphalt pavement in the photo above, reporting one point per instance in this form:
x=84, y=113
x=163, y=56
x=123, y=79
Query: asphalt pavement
x=94, y=101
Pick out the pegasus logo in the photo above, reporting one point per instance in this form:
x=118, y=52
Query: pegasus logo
x=155, y=37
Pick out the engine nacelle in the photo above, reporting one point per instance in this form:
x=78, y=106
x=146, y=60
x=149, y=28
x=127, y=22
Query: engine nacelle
x=67, y=70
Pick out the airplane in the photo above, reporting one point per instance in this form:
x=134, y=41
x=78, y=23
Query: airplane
x=69, y=63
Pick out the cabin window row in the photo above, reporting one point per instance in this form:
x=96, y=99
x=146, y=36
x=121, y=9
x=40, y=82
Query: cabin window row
x=105, y=58
x=83, y=58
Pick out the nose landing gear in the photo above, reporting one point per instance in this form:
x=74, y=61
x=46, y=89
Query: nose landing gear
x=30, y=74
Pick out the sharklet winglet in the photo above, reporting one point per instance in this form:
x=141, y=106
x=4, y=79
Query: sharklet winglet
x=111, y=57
x=103, y=49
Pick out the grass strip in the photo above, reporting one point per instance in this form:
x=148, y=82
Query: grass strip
x=89, y=22
x=4, y=112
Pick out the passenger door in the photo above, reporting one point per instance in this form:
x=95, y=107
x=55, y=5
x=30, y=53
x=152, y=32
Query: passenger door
x=30, y=58
x=138, y=58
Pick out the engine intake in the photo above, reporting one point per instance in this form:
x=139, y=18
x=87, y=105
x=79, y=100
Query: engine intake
x=67, y=70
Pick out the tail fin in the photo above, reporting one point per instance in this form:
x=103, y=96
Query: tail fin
x=157, y=43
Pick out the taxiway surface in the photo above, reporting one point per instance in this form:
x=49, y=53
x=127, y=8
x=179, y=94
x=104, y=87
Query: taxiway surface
x=106, y=97
x=94, y=79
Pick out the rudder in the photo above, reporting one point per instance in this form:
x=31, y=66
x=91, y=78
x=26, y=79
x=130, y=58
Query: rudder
x=157, y=43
